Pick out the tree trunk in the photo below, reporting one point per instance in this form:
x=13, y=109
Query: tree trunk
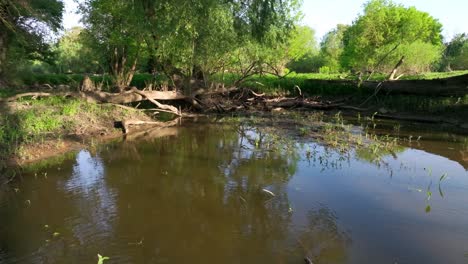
x=131, y=72
x=391, y=77
x=3, y=52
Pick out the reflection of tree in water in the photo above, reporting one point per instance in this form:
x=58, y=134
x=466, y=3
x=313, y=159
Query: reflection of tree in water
x=322, y=239
x=199, y=198
x=96, y=202
x=66, y=219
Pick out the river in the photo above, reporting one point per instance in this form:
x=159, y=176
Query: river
x=218, y=192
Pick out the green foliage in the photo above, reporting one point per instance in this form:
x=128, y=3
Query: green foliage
x=20, y=38
x=419, y=56
x=306, y=64
x=460, y=62
x=384, y=32
x=73, y=55
x=302, y=42
x=324, y=70
x=182, y=37
x=332, y=47
x=302, y=51
x=456, y=54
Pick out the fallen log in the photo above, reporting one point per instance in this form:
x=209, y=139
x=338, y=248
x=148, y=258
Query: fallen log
x=19, y=96
x=169, y=108
x=131, y=96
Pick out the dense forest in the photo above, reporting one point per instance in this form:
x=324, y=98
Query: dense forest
x=206, y=39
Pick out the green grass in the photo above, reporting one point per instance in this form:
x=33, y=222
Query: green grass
x=266, y=83
x=7, y=92
x=139, y=80
x=434, y=75
x=271, y=84
x=33, y=121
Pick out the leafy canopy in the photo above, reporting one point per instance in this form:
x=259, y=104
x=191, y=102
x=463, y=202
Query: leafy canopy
x=24, y=24
x=183, y=36
x=371, y=41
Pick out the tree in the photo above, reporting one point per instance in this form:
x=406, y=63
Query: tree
x=456, y=53
x=302, y=50
x=182, y=36
x=372, y=41
x=73, y=53
x=23, y=26
x=116, y=29
x=332, y=47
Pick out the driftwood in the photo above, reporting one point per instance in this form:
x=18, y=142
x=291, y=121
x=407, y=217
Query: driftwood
x=19, y=96
x=392, y=77
x=169, y=108
x=131, y=96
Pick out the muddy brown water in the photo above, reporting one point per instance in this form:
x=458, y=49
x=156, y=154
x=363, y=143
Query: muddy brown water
x=204, y=193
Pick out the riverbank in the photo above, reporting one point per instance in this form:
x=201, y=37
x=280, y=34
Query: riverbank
x=35, y=127
x=32, y=129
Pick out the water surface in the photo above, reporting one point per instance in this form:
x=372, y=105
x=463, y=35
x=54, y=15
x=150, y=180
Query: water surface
x=202, y=193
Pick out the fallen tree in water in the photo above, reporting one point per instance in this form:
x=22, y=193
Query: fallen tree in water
x=235, y=99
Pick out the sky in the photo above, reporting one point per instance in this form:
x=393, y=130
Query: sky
x=324, y=15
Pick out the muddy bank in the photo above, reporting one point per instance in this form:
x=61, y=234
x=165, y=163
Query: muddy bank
x=34, y=129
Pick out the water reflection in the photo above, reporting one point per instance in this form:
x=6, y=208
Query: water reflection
x=96, y=203
x=236, y=193
x=323, y=239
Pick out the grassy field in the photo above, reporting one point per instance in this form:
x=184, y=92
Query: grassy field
x=271, y=84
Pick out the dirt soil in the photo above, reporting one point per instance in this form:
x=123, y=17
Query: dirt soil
x=83, y=130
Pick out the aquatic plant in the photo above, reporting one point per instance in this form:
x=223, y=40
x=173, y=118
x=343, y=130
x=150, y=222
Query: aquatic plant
x=101, y=259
